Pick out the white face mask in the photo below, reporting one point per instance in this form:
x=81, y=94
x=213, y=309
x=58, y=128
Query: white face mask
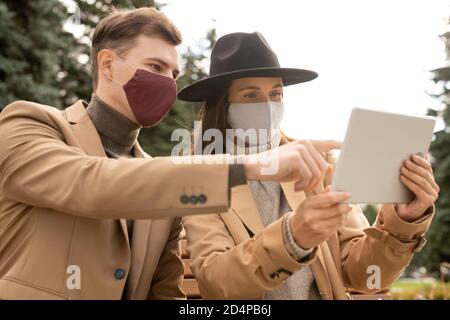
x=262, y=115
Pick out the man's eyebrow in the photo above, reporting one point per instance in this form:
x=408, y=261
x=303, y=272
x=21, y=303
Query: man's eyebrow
x=165, y=64
x=175, y=72
x=279, y=85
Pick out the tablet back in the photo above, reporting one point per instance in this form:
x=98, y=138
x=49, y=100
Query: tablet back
x=375, y=145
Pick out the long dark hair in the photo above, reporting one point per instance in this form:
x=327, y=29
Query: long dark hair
x=214, y=111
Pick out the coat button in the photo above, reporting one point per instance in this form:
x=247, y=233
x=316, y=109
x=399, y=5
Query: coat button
x=202, y=198
x=193, y=199
x=119, y=274
x=184, y=199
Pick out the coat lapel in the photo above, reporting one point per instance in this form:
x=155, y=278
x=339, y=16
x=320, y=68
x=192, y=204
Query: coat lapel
x=139, y=243
x=244, y=206
x=338, y=289
x=293, y=198
x=88, y=137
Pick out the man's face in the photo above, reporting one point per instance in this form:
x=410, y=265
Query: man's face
x=148, y=53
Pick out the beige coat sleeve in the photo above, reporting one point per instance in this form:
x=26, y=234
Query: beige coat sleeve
x=387, y=246
x=168, y=276
x=38, y=168
x=225, y=270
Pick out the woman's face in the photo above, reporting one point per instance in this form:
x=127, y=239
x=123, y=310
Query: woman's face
x=253, y=90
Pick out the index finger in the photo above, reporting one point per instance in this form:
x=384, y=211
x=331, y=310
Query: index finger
x=326, y=145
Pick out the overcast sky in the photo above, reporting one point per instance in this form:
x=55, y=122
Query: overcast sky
x=368, y=53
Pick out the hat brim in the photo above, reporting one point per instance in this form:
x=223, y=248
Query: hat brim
x=200, y=90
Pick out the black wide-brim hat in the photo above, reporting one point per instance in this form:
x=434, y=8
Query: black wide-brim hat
x=242, y=55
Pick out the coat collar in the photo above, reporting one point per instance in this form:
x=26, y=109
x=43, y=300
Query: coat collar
x=90, y=141
x=88, y=136
x=84, y=129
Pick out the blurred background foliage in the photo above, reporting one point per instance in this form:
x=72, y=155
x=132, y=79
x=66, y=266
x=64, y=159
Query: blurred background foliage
x=40, y=61
x=438, y=237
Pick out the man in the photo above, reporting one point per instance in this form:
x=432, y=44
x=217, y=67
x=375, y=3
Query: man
x=84, y=212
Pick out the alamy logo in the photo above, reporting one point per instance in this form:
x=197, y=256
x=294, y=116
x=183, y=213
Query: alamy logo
x=374, y=280
x=236, y=142
x=73, y=281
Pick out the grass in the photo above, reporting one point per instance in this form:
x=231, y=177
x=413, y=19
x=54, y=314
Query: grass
x=420, y=289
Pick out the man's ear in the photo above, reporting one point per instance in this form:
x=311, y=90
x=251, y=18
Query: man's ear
x=104, y=63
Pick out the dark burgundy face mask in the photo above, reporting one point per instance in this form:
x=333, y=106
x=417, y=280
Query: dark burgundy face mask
x=150, y=96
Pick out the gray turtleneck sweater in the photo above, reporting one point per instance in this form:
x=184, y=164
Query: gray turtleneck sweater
x=117, y=133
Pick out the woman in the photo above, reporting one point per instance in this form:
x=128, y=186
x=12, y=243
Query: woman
x=275, y=243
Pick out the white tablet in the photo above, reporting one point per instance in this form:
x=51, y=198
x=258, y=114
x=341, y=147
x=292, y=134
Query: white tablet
x=374, y=148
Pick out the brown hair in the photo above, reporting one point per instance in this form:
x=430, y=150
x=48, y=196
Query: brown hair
x=214, y=113
x=121, y=27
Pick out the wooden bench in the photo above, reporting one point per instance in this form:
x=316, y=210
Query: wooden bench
x=190, y=285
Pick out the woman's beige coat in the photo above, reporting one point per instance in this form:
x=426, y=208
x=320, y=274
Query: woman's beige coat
x=234, y=257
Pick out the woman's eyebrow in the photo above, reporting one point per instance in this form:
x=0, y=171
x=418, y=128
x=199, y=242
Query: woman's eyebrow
x=249, y=88
x=280, y=85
